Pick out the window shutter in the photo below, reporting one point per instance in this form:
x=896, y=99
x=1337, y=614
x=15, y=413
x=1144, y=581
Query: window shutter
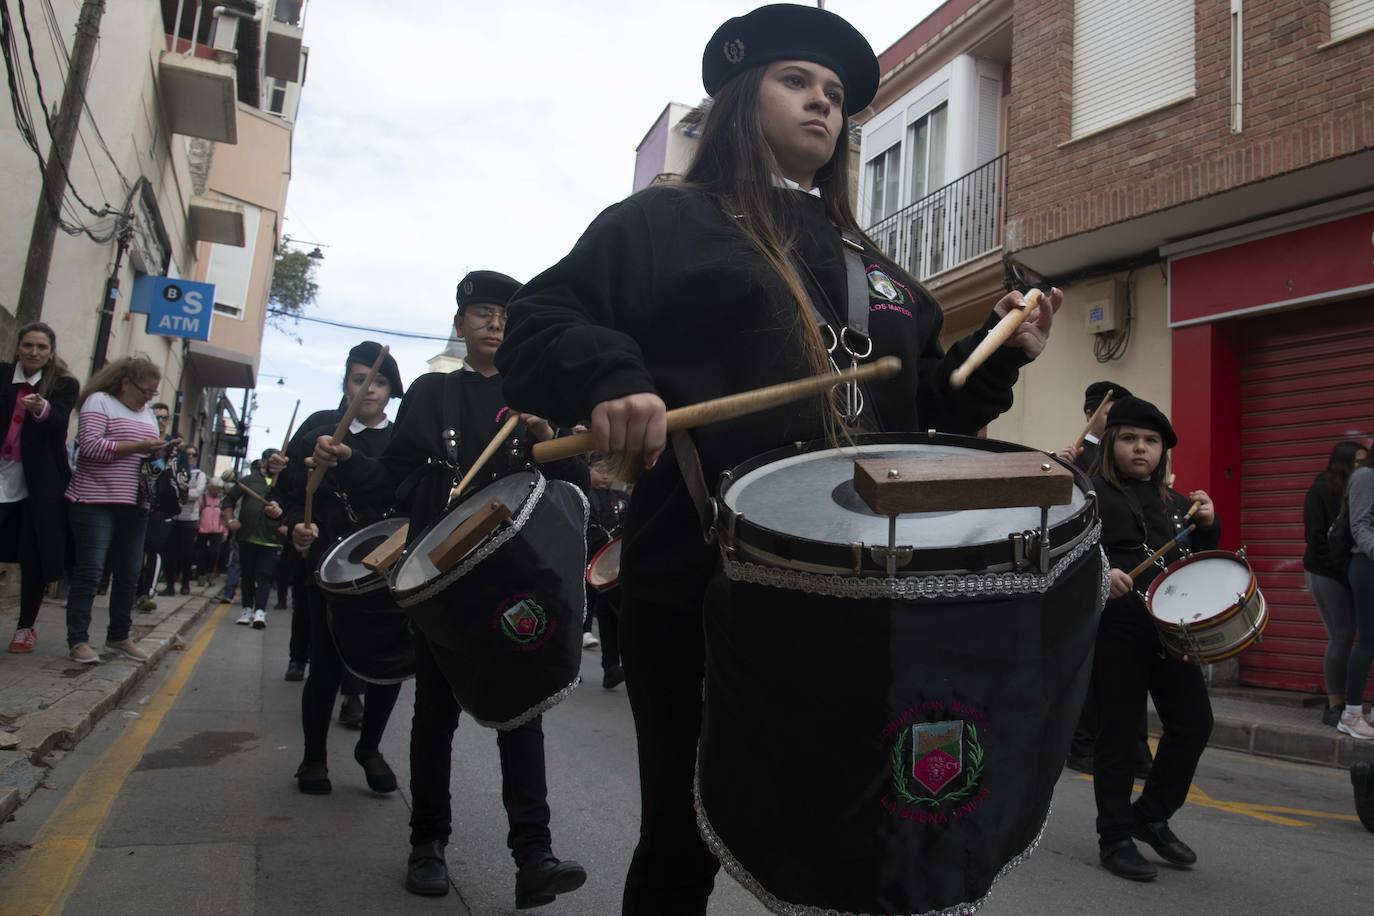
x=1349, y=17
x=1129, y=57
x=989, y=106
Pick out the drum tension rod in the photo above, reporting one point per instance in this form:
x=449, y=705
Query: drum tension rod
x=892, y=555
x=1044, y=540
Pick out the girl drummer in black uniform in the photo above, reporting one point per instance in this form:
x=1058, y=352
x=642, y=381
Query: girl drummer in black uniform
x=1140, y=514
x=706, y=287
x=338, y=511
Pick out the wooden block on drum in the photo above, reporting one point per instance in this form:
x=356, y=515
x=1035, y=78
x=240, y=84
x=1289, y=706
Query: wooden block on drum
x=469, y=534
x=996, y=480
x=385, y=555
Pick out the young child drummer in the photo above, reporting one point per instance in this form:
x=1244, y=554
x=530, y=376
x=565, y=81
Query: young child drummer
x=1140, y=514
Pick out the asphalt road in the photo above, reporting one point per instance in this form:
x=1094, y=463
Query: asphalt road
x=182, y=801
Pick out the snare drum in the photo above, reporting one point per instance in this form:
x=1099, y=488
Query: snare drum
x=505, y=621
x=368, y=627
x=1208, y=606
x=603, y=572
x=876, y=744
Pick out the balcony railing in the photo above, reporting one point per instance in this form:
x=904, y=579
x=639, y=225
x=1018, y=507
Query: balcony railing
x=950, y=226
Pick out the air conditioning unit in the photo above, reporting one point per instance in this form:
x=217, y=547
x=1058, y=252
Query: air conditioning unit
x=1104, y=303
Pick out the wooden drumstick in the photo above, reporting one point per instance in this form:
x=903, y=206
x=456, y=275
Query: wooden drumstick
x=253, y=493
x=492, y=448
x=290, y=426
x=1101, y=408
x=731, y=406
x=999, y=335
x=1192, y=510
x=1158, y=553
x=317, y=474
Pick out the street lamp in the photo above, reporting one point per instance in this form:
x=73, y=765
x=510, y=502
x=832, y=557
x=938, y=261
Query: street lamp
x=315, y=254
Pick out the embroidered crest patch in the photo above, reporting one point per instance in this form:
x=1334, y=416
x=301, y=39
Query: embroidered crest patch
x=734, y=51
x=882, y=285
x=524, y=621
x=937, y=765
x=467, y=287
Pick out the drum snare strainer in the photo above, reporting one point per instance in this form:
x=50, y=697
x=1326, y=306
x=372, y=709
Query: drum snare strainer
x=1208, y=606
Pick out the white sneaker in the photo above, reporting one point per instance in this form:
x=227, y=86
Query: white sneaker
x=260, y=623
x=245, y=618
x=127, y=649
x=589, y=641
x=1355, y=725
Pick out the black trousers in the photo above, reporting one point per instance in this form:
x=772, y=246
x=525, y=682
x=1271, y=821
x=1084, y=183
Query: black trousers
x=179, y=553
x=159, y=530
x=1082, y=744
x=1129, y=663
x=286, y=575
x=302, y=617
x=327, y=674
x=16, y=522
x=257, y=566
x=208, y=553
x=672, y=872
x=524, y=790
x=608, y=616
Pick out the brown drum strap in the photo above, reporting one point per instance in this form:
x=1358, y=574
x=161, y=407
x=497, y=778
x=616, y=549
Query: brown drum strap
x=689, y=465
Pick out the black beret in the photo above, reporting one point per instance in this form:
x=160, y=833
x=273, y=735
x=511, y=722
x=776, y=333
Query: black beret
x=1133, y=411
x=1094, y=393
x=485, y=286
x=268, y=453
x=789, y=31
x=365, y=353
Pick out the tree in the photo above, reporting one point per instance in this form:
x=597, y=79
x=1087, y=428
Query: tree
x=293, y=286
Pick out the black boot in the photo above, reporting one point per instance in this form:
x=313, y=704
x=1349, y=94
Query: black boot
x=295, y=671
x=540, y=881
x=351, y=712
x=379, y=776
x=1125, y=861
x=313, y=779
x=613, y=678
x=427, y=870
x=1165, y=843
x=1364, y=793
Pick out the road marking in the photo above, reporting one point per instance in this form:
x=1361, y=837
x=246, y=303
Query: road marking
x=44, y=879
x=1272, y=814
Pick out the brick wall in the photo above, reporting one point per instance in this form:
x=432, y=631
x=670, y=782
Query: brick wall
x=1303, y=104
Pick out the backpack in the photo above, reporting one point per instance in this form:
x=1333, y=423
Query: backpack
x=168, y=492
x=1340, y=543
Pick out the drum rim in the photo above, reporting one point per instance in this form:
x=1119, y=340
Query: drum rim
x=772, y=548
x=1226, y=613
x=362, y=585
x=1230, y=652
x=592, y=563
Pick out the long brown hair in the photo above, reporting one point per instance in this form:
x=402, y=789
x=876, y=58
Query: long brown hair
x=112, y=378
x=1104, y=466
x=735, y=167
x=56, y=368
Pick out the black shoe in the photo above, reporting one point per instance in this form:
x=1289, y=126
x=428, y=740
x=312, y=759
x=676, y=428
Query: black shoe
x=1082, y=763
x=613, y=678
x=313, y=779
x=295, y=671
x=1165, y=843
x=379, y=776
x=1364, y=786
x=168, y=592
x=540, y=882
x=427, y=870
x=186, y=588
x=1332, y=716
x=1143, y=768
x=279, y=606
x=351, y=712
x=1125, y=861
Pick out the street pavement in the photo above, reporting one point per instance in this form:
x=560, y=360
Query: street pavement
x=181, y=801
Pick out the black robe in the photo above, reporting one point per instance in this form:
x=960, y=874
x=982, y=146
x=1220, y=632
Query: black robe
x=43, y=453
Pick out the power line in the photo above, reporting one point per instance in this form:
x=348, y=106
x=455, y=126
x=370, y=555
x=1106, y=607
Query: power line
x=416, y=335
x=64, y=61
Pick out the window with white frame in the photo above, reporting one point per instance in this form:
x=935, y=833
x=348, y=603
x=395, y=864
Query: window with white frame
x=276, y=98
x=1351, y=17
x=231, y=267
x=884, y=183
x=1130, y=57
x=928, y=152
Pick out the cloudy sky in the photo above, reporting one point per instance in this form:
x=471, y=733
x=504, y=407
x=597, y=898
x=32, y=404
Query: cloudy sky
x=439, y=136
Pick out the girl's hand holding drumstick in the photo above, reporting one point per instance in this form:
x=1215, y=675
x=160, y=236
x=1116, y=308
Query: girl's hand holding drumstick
x=1026, y=322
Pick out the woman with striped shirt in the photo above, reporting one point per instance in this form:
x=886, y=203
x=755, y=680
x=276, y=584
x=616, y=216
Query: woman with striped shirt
x=116, y=433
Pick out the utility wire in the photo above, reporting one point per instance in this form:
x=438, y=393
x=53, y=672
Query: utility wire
x=416, y=335
x=64, y=63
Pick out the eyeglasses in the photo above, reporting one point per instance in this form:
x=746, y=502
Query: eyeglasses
x=485, y=314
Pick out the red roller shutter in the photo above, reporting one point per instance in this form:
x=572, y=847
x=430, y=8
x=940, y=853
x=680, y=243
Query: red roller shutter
x=1307, y=382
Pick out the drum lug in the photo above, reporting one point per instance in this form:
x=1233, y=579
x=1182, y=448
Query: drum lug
x=856, y=558
x=1241, y=553
x=1025, y=550
x=891, y=558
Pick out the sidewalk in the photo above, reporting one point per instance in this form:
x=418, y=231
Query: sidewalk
x=48, y=702
x=1275, y=723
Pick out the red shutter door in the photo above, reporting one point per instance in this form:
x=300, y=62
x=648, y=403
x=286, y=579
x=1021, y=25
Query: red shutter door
x=1307, y=382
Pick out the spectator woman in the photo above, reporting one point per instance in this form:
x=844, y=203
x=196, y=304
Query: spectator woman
x=210, y=532
x=1326, y=579
x=178, y=554
x=1359, y=496
x=116, y=433
x=37, y=395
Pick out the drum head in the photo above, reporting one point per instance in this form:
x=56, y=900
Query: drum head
x=342, y=569
x=415, y=569
x=1198, y=589
x=604, y=570
x=811, y=496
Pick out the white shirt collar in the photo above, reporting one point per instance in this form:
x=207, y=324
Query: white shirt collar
x=789, y=183
x=20, y=378
x=1089, y=437
x=357, y=426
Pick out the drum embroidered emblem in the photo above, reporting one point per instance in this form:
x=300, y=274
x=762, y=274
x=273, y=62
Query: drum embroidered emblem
x=937, y=754
x=936, y=765
x=524, y=621
x=882, y=284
